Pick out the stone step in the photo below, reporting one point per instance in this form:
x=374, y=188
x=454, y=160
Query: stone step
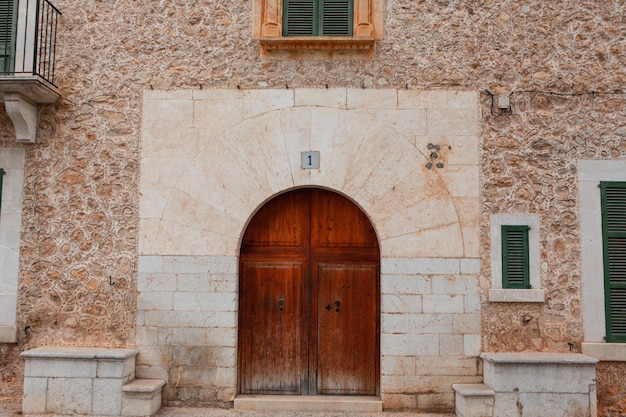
x=141, y=397
x=473, y=400
x=356, y=404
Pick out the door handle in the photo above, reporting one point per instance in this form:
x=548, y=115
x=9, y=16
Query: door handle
x=328, y=307
x=281, y=303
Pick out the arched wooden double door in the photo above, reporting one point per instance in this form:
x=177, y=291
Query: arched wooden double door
x=309, y=303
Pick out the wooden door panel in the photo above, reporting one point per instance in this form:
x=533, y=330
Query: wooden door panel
x=273, y=355
x=337, y=223
x=279, y=223
x=347, y=329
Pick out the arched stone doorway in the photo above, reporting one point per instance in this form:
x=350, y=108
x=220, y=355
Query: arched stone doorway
x=309, y=302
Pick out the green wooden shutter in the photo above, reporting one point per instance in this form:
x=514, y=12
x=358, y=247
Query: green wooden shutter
x=318, y=17
x=8, y=20
x=299, y=18
x=515, y=263
x=337, y=18
x=613, y=195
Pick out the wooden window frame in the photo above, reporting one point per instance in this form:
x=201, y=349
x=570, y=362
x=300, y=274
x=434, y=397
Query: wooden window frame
x=268, y=29
x=611, y=269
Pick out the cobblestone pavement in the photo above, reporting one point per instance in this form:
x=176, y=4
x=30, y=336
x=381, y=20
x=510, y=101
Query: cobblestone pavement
x=12, y=409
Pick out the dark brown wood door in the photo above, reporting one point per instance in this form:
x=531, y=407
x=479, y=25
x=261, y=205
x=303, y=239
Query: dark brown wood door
x=308, y=309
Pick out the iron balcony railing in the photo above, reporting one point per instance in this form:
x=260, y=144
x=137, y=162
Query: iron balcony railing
x=28, y=35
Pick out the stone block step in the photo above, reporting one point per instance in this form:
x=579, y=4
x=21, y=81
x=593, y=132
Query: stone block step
x=141, y=397
x=364, y=404
x=473, y=400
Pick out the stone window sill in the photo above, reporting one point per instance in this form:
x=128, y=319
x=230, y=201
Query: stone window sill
x=317, y=47
x=501, y=295
x=612, y=352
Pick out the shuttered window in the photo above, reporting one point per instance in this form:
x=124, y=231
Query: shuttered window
x=613, y=196
x=515, y=263
x=317, y=17
x=8, y=18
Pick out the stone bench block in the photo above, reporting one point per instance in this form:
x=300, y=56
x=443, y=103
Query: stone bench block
x=76, y=380
x=539, y=372
x=142, y=397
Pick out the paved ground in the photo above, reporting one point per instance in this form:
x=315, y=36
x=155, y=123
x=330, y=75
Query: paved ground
x=12, y=409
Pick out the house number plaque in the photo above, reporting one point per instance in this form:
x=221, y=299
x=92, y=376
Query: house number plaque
x=310, y=160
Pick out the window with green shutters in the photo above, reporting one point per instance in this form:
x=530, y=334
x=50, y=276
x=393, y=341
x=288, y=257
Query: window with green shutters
x=515, y=263
x=317, y=17
x=8, y=20
x=613, y=195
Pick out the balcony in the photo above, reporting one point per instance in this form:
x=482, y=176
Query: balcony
x=28, y=31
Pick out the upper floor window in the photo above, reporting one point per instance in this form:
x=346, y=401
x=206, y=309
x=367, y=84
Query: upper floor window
x=8, y=26
x=332, y=29
x=317, y=17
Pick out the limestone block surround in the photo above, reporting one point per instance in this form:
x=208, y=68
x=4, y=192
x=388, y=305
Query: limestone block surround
x=211, y=158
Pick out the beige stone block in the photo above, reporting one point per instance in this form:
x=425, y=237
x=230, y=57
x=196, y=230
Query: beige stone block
x=322, y=97
x=8, y=334
x=464, y=150
x=451, y=344
x=197, y=212
x=217, y=94
x=399, y=401
x=35, y=393
x=472, y=344
x=427, y=214
x=471, y=242
x=466, y=323
x=167, y=113
x=174, y=238
x=378, y=167
x=408, y=192
x=443, y=304
x=163, y=300
x=262, y=101
x=372, y=99
x=148, y=236
x=163, y=173
x=214, y=188
x=107, y=397
x=446, y=241
x=409, y=122
x=453, y=122
x=409, y=345
x=397, y=365
x=441, y=401
x=69, y=395
x=455, y=284
x=154, y=95
x=216, y=116
x=338, y=136
x=468, y=211
x=460, y=181
x=153, y=201
x=405, y=303
x=171, y=142
x=179, y=94
x=416, y=323
x=447, y=365
x=438, y=99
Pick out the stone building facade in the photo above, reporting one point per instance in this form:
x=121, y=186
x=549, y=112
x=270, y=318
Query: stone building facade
x=177, y=121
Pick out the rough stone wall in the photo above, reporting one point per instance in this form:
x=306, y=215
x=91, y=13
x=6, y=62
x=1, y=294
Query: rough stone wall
x=80, y=207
